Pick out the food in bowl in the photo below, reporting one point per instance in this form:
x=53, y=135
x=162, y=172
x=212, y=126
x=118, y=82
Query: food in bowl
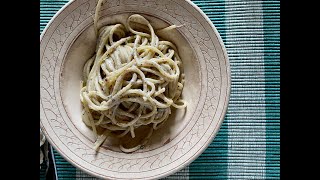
x=69, y=40
x=133, y=79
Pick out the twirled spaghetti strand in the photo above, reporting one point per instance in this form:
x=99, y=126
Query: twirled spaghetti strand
x=132, y=80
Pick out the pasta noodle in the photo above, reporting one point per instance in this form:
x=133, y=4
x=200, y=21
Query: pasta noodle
x=132, y=80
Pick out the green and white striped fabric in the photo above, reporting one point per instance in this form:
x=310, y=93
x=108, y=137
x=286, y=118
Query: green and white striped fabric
x=248, y=143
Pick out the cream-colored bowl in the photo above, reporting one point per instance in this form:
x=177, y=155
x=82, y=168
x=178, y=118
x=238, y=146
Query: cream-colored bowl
x=68, y=41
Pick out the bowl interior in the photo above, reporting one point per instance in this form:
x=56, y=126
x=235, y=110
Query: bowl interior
x=82, y=48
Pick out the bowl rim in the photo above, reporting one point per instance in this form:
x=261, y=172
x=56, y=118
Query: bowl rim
x=222, y=115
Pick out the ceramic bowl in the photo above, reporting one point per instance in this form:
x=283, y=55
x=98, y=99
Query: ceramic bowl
x=68, y=41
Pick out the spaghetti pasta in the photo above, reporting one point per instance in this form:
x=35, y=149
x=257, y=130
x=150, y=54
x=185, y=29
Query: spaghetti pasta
x=132, y=80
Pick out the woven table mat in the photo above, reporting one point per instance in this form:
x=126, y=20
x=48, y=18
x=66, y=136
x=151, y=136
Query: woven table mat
x=248, y=143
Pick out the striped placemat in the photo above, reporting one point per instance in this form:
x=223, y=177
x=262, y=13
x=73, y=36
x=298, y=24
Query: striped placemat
x=248, y=143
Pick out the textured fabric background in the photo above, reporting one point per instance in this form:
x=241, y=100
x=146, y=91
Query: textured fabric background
x=248, y=144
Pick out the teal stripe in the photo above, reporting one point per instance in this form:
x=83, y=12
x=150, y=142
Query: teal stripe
x=48, y=8
x=64, y=169
x=272, y=57
x=43, y=171
x=213, y=163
